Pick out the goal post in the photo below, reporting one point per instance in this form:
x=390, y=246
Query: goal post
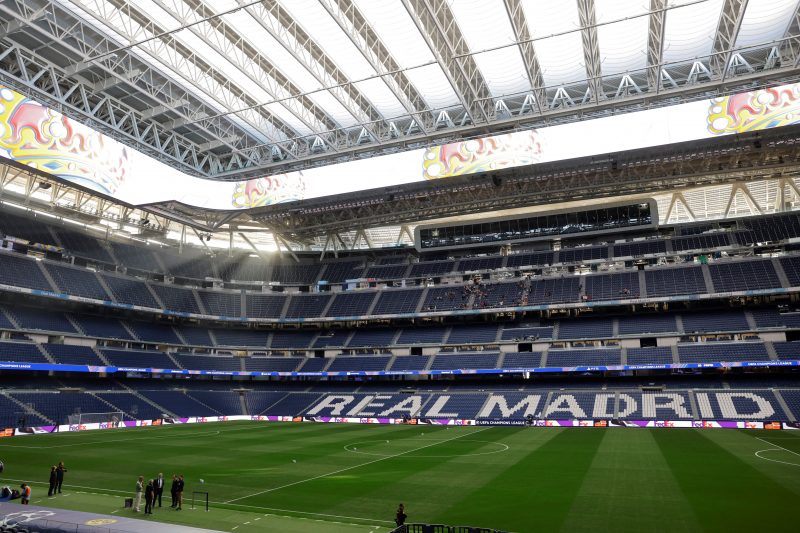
x=200, y=498
x=110, y=417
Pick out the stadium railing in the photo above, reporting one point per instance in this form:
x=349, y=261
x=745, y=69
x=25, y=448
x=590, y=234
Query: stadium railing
x=440, y=528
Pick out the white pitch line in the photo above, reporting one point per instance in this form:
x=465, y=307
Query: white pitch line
x=352, y=467
x=779, y=446
x=292, y=511
x=773, y=460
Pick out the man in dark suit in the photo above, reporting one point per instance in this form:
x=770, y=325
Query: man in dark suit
x=159, y=487
x=149, y=495
x=174, y=490
x=179, y=493
x=53, y=481
x=60, y=471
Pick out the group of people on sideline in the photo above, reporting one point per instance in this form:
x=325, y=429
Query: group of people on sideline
x=154, y=490
x=56, y=479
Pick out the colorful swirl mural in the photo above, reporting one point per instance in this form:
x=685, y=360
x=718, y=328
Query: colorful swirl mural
x=269, y=190
x=755, y=110
x=481, y=155
x=41, y=138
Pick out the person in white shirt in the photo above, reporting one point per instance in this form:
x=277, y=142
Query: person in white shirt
x=137, y=502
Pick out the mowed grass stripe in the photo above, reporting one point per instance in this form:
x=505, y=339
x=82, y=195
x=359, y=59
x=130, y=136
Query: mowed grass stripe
x=630, y=487
x=537, y=492
x=779, y=464
x=727, y=492
x=369, y=462
x=424, y=479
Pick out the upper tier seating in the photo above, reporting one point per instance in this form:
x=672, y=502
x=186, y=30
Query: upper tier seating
x=310, y=305
x=386, y=271
x=176, y=299
x=130, y=291
x=430, y=335
x=728, y=351
x=208, y=362
x=467, y=360
x=20, y=271
x=190, y=263
x=743, y=276
x=153, y=332
x=658, y=355
x=557, y=290
x=351, y=304
x=221, y=303
x=83, y=245
x=640, y=324
x=480, y=264
x=35, y=319
x=791, y=266
x=76, y=281
x=138, y=358
x=714, y=321
x=292, y=339
x=67, y=354
x=530, y=259
x=700, y=242
x=295, y=274
x=473, y=334
x=619, y=286
x=33, y=229
x=195, y=336
x=505, y=294
x=583, y=357
x=410, y=362
x=425, y=270
x=21, y=352
x=640, y=248
x=359, y=363
x=139, y=257
x=674, y=281
x=524, y=333
x=331, y=338
x=265, y=305
x=395, y=302
x=106, y=328
x=342, y=271
x=241, y=337
x=272, y=364
x=592, y=328
x=522, y=360
x=445, y=298
x=378, y=337
x=579, y=255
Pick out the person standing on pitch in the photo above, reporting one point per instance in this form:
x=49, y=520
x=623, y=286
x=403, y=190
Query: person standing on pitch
x=60, y=471
x=149, y=496
x=179, y=493
x=174, y=491
x=400, y=517
x=137, y=502
x=25, y=494
x=159, y=488
x=53, y=482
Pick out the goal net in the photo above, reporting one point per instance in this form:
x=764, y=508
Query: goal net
x=110, y=417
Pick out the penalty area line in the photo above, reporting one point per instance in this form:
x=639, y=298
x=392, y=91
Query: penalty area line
x=351, y=467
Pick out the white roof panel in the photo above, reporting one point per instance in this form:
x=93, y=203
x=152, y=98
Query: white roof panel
x=485, y=24
x=689, y=30
x=622, y=44
x=561, y=57
x=765, y=21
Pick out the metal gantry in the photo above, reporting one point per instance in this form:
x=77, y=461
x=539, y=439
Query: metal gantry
x=108, y=64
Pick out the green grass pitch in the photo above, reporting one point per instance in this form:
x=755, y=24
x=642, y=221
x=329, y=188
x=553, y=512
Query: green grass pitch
x=350, y=478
